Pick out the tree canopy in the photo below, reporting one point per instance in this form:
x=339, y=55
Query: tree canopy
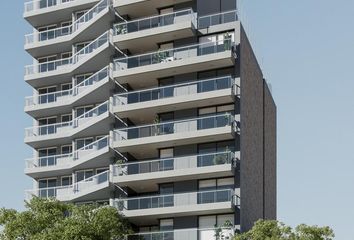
x=54, y=220
x=274, y=230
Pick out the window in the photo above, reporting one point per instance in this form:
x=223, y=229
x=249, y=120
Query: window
x=66, y=181
x=82, y=110
x=166, y=226
x=215, y=190
x=66, y=86
x=208, y=223
x=210, y=154
x=220, y=116
x=80, y=143
x=80, y=78
x=166, y=190
x=46, y=125
x=215, y=43
x=46, y=157
x=66, y=58
x=65, y=28
x=80, y=14
x=66, y=149
x=47, y=63
x=83, y=175
x=47, y=187
x=45, y=95
x=80, y=46
x=66, y=118
x=45, y=33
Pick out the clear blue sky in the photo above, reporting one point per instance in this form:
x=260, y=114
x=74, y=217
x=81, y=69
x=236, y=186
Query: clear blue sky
x=306, y=49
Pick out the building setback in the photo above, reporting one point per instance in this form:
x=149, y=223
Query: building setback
x=156, y=107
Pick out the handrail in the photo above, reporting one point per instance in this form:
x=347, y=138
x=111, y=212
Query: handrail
x=91, y=11
x=93, y=177
x=171, y=158
x=104, y=38
x=176, y=49
x=88, y=16
x=178, y=121
x=72, y=123
x=74, y=186
x=180, y=230
x=160, y=89
x=176, y=194
x=125, y=28
x=209, y=20
x=29, y=6
x=73, y=155
x=30, y=100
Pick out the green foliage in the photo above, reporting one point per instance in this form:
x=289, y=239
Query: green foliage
x=274, y=230
x=53, y=220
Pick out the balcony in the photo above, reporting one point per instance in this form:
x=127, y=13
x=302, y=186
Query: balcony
x=96, y=88
x=217, y=19
x=143, y=141
x=148, y=174
x=145, y=104
x=88, y=26
x=142, y=35
x=174, y=61
x=225, y=233
x=37, y=12
x=141, y=8
x=93, y=57
x=96, y=154
x=94, y=122
x=140, y=210
x=95, y=187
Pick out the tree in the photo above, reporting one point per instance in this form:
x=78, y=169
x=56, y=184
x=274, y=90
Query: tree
x=54, y=220
x=274, y=230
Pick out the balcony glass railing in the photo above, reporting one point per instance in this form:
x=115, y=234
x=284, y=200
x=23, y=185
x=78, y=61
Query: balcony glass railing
x=57, y=64
x=165, y=128
x=41, y=4
x=64, y=95
x=67, y=126
x=220, y=233
x=216, y=19
x=154, y=22
x=65, y=159
x=175, y=54
x=175, y=200
x=68, y=191
x=176, y=163
x=67, y=30
x=176, y=90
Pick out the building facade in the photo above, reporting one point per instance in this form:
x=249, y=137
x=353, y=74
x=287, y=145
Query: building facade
x=156, y=107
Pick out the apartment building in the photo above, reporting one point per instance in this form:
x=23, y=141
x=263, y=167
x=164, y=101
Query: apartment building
x=156, y=107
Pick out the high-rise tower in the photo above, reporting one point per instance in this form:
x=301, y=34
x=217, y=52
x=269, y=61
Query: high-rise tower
x=157, y=107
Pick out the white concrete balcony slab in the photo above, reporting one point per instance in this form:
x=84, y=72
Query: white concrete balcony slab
x=144, y=141
x=226, y=233
x=92, y=123
x=94, y=155
x=141, y=35
x=92, y=23
x=165, y=63
x=147, y=103
x=93, y=57
x=150, y=208
x=95, y=187
x=148, y=174
x=141, y=8
x=96, y=88
x=37, y=12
